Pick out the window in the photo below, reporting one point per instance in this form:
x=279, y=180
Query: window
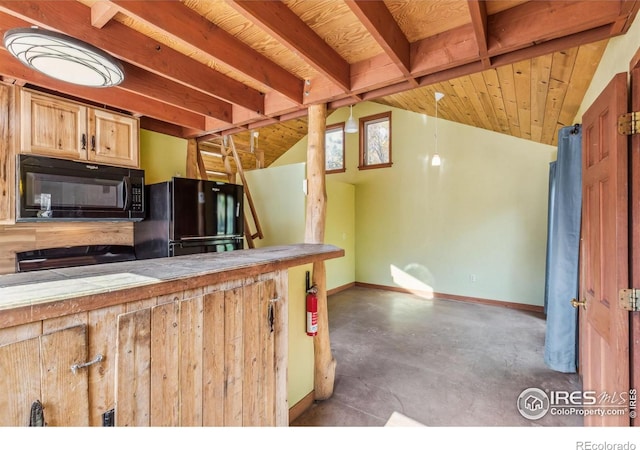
x=375, y=141
x=334, y=148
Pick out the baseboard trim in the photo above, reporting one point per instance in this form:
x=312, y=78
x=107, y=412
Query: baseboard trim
x=296, y=410
x=486, y=301
x=460, y=298
x=344, y=287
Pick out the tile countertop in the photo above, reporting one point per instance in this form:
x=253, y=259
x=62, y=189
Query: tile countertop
x=146, y=277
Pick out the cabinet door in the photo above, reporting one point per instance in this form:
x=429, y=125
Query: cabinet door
x=114, y=138
x=40, y=369
x=209, y=360
x=52, y=127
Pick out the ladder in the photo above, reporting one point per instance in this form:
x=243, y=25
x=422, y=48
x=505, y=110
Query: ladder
x=229, y=155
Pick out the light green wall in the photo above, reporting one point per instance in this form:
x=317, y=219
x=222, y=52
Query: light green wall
x=278, y=195
x=480, y=216
x=616, y=59
x=280, y=202
x=340, y=230
x=301, y=360
x=162, y=156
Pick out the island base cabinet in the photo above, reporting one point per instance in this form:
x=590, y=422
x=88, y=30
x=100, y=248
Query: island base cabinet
x=210, y=356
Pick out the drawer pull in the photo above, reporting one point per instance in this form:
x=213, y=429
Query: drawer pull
x=95, y=360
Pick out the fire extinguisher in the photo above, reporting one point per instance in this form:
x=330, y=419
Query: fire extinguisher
x=312, y=309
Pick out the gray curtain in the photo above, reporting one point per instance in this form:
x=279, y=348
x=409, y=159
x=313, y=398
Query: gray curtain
x=563, y=250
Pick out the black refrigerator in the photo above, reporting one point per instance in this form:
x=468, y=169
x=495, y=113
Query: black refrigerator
x=186, y=216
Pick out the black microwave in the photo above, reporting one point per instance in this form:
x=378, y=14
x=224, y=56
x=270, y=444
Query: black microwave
x=52, y=189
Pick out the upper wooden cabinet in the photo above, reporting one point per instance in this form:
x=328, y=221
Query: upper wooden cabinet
x=61, y=128
x=114, y=138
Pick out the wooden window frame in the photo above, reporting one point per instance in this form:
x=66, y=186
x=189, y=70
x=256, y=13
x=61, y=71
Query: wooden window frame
x=364, y=121
x=330, y=128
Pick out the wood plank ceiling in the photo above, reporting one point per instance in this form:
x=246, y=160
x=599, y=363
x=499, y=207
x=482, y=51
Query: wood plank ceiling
x=202, y=69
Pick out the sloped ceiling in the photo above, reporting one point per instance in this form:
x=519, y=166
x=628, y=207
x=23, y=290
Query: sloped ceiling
x=202, y=69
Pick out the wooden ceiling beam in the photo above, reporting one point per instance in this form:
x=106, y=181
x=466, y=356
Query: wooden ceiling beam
x=376, y=72
x=554, y=45
x=366, y=75
x=282, y=23
x=445, y=50
x=514, y=34
x=478, y=12
x=628, y=11
x=102, y=12
x=176, y=94
x=538, y=21
x=159, y=126
x=377, y=19
x=115, y=97
x=182, y=23
x=75, y=20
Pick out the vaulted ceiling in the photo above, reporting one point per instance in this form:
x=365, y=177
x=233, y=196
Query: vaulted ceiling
x=200, y=69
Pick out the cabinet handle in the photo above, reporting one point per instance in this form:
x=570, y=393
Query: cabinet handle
x=271, y=317
x=272, y=312
x=84, y=141
x=93, y=143
x=95, y=360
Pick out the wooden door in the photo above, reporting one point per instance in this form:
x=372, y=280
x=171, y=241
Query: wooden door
x=635, y=230
x=52, y=127
x=604, y=325
x=114, y=138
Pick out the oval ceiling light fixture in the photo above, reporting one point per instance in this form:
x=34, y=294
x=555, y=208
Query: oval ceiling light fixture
x=64, y=58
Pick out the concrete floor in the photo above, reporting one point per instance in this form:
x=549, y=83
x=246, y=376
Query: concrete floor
x=439, y=362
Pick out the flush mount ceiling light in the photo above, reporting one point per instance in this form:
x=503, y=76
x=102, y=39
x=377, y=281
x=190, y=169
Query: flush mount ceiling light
x=435, y=161
x=63, y=57
x=351, y=126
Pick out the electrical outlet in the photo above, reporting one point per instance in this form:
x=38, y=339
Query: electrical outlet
x=473, y=278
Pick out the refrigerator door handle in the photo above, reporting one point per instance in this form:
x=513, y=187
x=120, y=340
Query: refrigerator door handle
x=204, y=238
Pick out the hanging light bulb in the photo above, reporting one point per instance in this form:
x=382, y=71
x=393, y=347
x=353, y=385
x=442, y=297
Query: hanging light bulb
x=435, y=161
x=254, y=141
x=351, y=126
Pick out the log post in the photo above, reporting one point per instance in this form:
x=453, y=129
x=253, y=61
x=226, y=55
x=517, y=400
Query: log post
x=325, y=365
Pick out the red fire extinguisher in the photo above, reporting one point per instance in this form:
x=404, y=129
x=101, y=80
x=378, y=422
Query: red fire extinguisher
x=312, y=309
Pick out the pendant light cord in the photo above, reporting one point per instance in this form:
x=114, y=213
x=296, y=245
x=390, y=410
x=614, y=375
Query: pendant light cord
x=436, y=135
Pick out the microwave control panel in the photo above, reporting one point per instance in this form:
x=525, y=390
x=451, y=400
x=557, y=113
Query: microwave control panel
x=137, y=196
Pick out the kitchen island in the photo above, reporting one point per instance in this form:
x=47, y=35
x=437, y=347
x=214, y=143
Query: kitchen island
x=198, y=340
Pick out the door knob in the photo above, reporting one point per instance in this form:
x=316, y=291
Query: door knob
x=575, y=303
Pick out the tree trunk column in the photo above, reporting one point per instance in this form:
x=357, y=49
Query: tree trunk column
x=325, y=365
